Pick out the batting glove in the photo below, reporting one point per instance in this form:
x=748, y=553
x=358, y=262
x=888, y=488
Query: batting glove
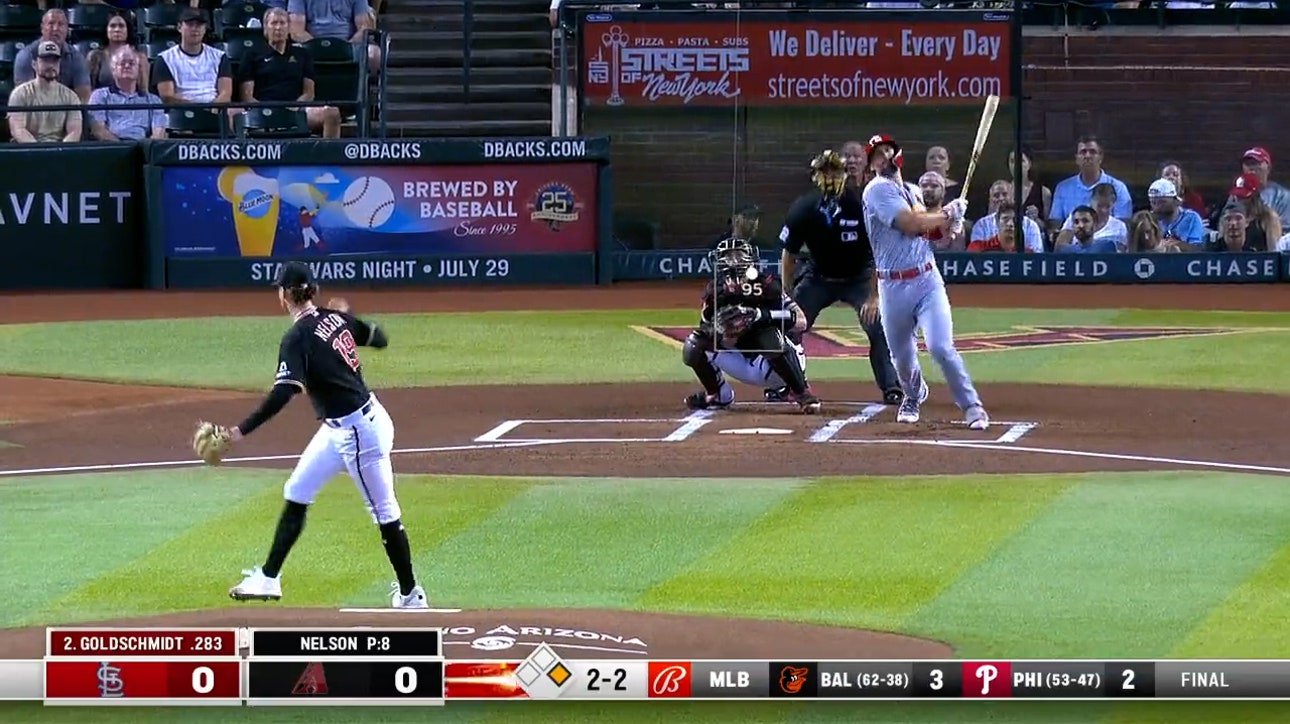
x=956, y=210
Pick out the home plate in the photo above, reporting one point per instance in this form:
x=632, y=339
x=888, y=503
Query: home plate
x=400, y=610
x=756, y=431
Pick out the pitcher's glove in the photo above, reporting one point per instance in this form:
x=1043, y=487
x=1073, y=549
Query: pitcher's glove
x=732, y=321
x=211, y=441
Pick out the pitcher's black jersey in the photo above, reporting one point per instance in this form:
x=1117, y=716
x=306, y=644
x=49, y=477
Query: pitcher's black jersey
x=319, y=354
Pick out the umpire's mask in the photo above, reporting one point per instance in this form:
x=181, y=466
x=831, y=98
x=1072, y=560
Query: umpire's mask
x=829, y=173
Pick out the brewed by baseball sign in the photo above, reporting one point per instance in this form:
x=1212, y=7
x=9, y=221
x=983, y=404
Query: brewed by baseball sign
x=273, y=211
x=643, y=59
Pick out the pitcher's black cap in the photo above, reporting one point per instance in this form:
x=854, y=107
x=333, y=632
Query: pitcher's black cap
x=294, y=274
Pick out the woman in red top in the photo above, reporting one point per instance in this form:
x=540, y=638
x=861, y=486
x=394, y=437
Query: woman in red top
x=1173, y=171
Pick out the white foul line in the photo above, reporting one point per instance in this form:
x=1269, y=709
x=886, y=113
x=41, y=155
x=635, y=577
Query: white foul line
x=260, y=458
x=693, y=422
x=826, y=433
x=979, y=445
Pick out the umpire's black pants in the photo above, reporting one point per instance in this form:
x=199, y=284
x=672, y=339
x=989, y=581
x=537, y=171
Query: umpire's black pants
x=816, y=293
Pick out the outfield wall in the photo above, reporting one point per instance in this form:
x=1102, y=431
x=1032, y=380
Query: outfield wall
x=414, y=212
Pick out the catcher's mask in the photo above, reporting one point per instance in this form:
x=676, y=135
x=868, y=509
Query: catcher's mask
x=829, y=173
x=733, y=257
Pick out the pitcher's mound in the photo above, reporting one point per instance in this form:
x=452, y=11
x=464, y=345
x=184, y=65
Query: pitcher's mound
x=575, y=633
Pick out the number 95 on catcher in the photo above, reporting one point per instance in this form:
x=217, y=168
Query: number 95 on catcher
x=335, y=681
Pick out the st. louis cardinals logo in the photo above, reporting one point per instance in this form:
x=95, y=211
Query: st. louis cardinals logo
x=669, y=679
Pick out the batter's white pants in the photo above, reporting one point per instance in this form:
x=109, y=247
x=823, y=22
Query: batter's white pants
x=359, y=443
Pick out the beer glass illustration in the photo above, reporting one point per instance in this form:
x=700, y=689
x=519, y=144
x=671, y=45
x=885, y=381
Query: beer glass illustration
x=615, y=40
x=255, y=201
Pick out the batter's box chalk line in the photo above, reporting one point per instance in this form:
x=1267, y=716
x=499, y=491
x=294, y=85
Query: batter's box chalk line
x=401, y=611
x=686, y=427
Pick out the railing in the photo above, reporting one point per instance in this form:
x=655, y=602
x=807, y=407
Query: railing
x=225, y=127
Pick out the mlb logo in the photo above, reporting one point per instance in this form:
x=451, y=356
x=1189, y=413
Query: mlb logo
x=669, y=679
x=988, y=679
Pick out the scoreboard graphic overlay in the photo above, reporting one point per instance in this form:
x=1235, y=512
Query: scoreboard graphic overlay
x=406, y=667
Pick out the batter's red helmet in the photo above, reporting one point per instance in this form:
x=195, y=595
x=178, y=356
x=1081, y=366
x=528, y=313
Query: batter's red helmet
x=879, y=139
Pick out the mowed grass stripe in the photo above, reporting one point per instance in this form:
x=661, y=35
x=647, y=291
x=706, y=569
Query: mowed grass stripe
x=1122, y=565
x=1251, y=623
x=863, y=553
x=592, y=543
x=61, y=532
x=339, y=556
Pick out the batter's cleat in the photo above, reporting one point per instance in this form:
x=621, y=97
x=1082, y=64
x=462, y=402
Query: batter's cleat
x=777, y=394
x=415, y=599
x=704, y=401
x=908, y=412
x=892, y=397
x=256, y=587
x=809, y=403
x=977, y=419
x=923, y=392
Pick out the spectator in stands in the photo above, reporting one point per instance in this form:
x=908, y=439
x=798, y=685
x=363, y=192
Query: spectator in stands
x=743, y=224
x=193, y=72
x=1283, y=244
x=1036, y=199
x=1003, y=237
x=1106, y=227
x=939, y=160
x=987, y=234
x=125, y=90
x=858, y=169
x=284, y=71
x=1078, y=189
x=1145, y=236
x=1258, y=161
x=73, y=71
x=1262, y=225
x=1191, y=199
x=1081, y=237
x=343, y=19
x=932, y=184
x=1175, y=222
x=45, y=90
x=120, y=34
x=1233, y=231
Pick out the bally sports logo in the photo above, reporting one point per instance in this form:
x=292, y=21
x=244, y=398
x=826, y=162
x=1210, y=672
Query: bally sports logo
x=505, y=637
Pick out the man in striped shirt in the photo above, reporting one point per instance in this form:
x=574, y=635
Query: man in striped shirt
x=110, y=124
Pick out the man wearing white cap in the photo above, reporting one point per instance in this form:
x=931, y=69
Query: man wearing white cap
x=1174, y=221
x=1258, y=161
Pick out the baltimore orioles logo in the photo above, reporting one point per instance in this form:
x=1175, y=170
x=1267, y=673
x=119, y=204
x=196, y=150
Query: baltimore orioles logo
x=792, y=679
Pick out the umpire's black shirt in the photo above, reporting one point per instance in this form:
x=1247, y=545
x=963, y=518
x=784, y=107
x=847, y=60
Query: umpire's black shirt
x=834, y=232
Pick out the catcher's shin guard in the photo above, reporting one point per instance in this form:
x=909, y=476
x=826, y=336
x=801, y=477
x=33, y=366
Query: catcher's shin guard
x=694, y=354
x=786, y=362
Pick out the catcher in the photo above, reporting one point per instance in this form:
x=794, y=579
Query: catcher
x=743, y=327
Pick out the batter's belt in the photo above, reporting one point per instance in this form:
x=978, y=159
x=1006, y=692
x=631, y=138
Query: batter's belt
x=909, y=273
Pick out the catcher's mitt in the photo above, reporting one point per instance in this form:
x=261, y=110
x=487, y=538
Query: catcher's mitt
x=210, y=442
x=732, y=321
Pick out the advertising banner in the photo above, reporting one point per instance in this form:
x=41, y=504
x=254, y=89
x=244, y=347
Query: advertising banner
x=641, y=59
x=373, y=151
x=272, y=211
x=377, y=271
x=71, y=216
x=968, y=268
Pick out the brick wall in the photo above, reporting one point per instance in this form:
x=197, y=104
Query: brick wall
x=683, y=169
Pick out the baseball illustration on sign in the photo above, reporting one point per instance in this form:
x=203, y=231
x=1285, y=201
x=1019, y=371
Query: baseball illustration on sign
x=239, y=211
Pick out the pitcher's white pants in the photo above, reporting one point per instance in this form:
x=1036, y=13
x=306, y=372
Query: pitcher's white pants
x=359, y=443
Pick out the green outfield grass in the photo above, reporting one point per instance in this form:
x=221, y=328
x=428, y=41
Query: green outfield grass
x=1149, y=565
x=445, y=349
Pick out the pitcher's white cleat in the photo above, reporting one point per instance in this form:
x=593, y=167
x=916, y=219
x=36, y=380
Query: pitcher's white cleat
x=256, y=587
x=416, y=598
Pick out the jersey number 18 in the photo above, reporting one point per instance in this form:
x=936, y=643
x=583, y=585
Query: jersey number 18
x=346, y=348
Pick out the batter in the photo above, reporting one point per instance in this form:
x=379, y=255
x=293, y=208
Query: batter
x=911, y=292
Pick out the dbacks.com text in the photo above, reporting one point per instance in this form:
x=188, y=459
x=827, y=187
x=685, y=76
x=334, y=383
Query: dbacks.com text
x=904, y=88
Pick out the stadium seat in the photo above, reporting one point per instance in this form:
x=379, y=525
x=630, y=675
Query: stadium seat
x=19, y=22
x=157, y=47
x=236, y=14
x=240, y=48
x=88, y=46
x=9, y=50
x=6, y=87
x=195, y=123
x=161, y=22
x=89, y=22
x=336, y=73
x=330, y=50
x=274, y=122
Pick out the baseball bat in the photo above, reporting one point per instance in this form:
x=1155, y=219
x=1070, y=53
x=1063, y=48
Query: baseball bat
x=982, y=133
